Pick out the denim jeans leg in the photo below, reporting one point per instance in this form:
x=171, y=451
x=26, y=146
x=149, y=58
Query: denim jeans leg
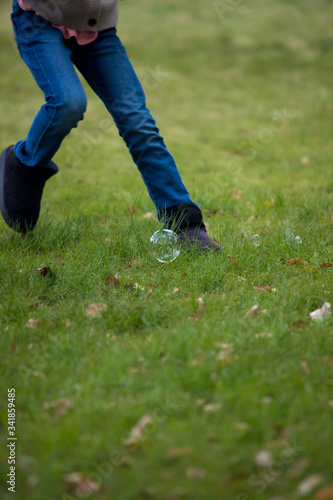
x=107, y=69
x=43, y=49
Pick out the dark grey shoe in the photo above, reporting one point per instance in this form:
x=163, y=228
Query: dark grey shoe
x=197, y=238
x=187, y=222
x=21, y=190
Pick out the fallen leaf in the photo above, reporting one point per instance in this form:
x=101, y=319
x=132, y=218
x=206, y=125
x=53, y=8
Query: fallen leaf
x=195, y=315
x=131, y=210
x=326, y=264
x=299, y=263
x=305, y=367
x=254, y=311
x=81, y=486
x=112, y=280
x=149, y=215
x=241, y=426
x=262, y=288
x=13, y=346
x=196, y=472
x=269, y=203
x=179, y=452
x=96, y=310
x=325, y=493
x=32, y=481
x=299, y=466
x=175, y=290
x=199, y=361
x=32, y=323
x=45, y=272
x=263, y=459
x=308, y=484
x=305, y=160
x=148, y=294
x=60, y=406
x=212, y=407
x=137, y=431
x=232, y=260
x=323, y=312
x=236, y=194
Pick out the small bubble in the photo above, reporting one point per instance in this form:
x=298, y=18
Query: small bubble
x=256, y=240
x=292, y=238
x=166, y=247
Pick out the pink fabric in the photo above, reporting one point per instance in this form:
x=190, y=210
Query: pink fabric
x=82, y=37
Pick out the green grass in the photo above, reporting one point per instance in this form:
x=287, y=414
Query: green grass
x=244, y=103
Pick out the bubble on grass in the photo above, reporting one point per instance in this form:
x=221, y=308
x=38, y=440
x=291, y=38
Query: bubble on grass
x=256, y=240
x=166, y=247
x=293, y=238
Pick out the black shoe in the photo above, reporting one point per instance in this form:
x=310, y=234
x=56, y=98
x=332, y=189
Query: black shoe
x=187, y=222
x=21, y=190
x=197, y=238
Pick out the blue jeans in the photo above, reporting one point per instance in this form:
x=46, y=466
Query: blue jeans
x=105, y=66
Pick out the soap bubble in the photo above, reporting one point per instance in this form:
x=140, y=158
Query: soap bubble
x=256, y=240
x=166, y=247
x=292, y=238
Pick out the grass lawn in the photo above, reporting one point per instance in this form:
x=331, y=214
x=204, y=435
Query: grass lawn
x=169, y=388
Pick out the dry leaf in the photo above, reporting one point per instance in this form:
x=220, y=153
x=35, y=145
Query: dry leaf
x=199, y=361
x=175, y=290
x=299, y=466
x=13, y=346
x=269, y=203
x=263, y=458
x=45, y=271
x=196, y=472
x=262, y=288
x=96, y=310
x=150, y=215
x=212, y=407
x=241, y=426
x=137, y=432
x=80, y=485
x=195, y=315
x=323, y=312
x=148, y=294
x=60, y=406
x=326, y=264
x=299, y=263
x=308, y=484
x=254, y=311
x=32, y=323
x=112, y=280
x=325, y=493
x=305, y=367
x=131, y=210
x=232, y=260
x=236, y=194
x=305, y=160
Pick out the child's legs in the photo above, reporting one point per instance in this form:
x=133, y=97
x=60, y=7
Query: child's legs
x=105, y=66
x=49, y=59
